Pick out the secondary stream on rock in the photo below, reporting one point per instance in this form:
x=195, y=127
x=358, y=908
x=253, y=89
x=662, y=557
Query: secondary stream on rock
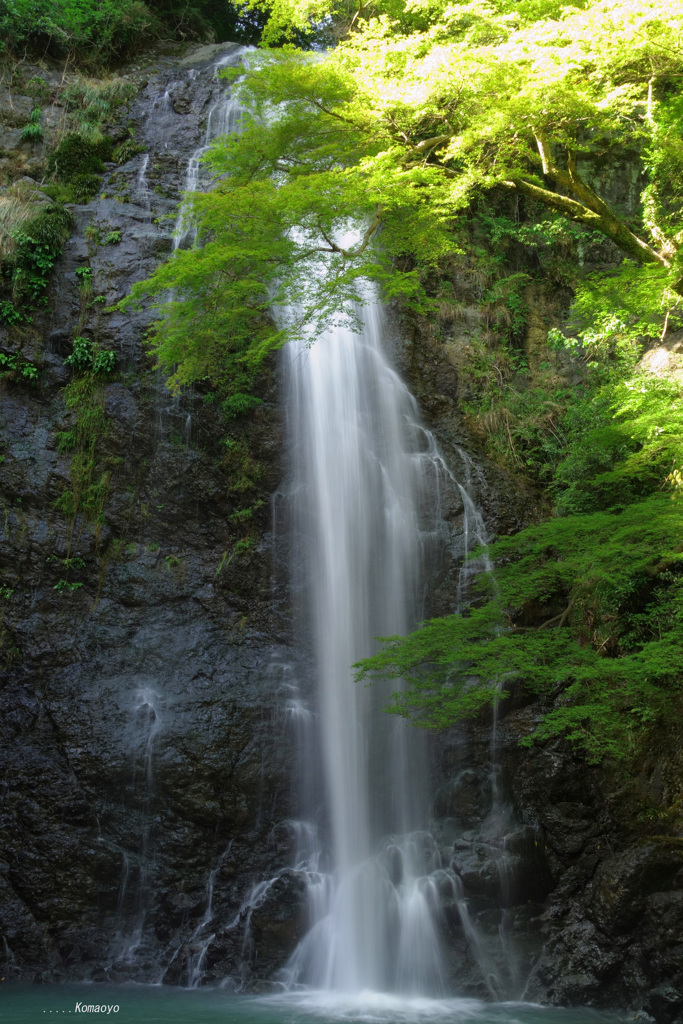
x=221, y=118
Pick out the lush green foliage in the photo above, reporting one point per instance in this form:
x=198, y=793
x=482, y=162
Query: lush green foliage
x=88, y=356
x=528, y=427
x=25, y=270
x=84, y=402
x=266, y=240
x=99, y=33
x=89, y=105
x=63, y=586
x=14, y=368
x=33, y=132
x=395, y=155
x=78, y=164
x=32, y=233
x=366, y=165
x=490, y=94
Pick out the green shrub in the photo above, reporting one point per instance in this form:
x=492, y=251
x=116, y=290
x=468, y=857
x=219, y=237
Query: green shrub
x=16, y=369
x=33, y=132
x=239, y=405
x=85, y=187
x=84, y=275
x=104, y=361
x=38, y=244
x=88, y=356
x=11, y=314
x=244, y=471
x=100, y=34
x=125, y=151
x=58, y=193
x=90, y=104
x=76, y=156
x=84, y=399
x=81, y=355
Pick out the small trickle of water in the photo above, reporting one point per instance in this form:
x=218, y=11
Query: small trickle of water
x=143, y=194
x=191, y=954
x=147, y=725
x=163, y=102
x=223, y=119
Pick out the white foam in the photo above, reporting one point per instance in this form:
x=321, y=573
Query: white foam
x=380, y=1007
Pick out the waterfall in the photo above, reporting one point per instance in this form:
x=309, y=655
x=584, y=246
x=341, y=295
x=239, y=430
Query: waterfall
x=364, y=475
x=364, y=506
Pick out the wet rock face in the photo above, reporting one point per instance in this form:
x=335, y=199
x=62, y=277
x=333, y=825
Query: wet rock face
x=591, y=907
x=571, y=898
x=145, y=758
x=279, y=922
x=146, y=762
x=613, y=920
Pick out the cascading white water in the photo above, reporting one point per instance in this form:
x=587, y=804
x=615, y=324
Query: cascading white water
x=364, y=473
x=222, y=119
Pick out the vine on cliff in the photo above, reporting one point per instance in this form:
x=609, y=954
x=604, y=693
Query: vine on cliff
x=84, y=400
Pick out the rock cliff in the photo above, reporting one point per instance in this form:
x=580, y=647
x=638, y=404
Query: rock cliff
x=147, y=657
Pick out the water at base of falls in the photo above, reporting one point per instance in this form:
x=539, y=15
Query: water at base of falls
x=397, y=899
x=365, y=485
x=23, y=1004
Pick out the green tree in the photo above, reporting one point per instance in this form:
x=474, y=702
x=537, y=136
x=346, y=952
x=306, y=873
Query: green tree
x=420, y=110
x=587, y=609
x=512, y=95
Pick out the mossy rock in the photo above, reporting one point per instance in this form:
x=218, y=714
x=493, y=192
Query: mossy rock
x=75, y=158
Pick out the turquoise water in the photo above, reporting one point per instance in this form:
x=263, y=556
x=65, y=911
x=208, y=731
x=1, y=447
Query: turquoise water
x=21, y=1004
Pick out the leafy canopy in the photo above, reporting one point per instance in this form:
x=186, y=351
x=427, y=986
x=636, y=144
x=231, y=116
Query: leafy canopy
x=386, y=140
x=374, y=161
x=277, y=231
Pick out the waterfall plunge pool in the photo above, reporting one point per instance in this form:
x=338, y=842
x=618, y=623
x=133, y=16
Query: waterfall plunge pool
x=139, y=1004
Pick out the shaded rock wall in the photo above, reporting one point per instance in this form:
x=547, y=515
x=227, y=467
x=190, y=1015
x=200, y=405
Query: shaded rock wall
x=142, y=744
